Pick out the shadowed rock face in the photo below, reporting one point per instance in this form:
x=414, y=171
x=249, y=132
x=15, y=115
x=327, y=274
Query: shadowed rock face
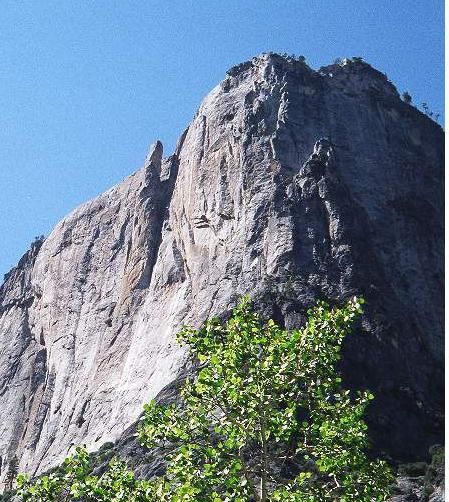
x=291, y=185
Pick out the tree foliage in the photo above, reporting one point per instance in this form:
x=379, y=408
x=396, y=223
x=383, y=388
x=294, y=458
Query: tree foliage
x=406, y=97
x=264, y=397
x=429, y=112
x=76, y=481
x=265, y=419
x=11, y=474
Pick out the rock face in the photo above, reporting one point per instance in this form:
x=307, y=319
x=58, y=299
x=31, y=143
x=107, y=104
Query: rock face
x=291, y=185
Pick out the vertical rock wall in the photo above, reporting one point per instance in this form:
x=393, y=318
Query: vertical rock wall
x=290, y=184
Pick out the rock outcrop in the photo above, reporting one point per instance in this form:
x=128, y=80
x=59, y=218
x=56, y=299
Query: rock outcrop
x=291, y=185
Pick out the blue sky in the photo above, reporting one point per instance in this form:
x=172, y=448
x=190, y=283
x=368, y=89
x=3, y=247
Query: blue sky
x=87, y=86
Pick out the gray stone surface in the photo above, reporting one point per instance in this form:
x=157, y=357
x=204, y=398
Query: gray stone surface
x=290, y=184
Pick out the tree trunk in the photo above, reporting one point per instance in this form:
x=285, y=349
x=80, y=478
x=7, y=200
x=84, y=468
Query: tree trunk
x=264, y=462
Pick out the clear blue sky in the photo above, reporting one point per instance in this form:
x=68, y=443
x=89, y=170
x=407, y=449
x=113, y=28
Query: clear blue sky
x=86, y=86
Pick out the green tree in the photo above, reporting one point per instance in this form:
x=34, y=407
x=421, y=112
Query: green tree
x=265, y=398
x=265, y=419
x=406, y=97
x=11, y=475
x=74, y=480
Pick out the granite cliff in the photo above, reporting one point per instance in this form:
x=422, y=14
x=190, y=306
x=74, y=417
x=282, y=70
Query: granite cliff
x=291, y=185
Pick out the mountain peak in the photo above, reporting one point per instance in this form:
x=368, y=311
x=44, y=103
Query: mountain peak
x=353, y=73
x=291, y=185
x=154, y=156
